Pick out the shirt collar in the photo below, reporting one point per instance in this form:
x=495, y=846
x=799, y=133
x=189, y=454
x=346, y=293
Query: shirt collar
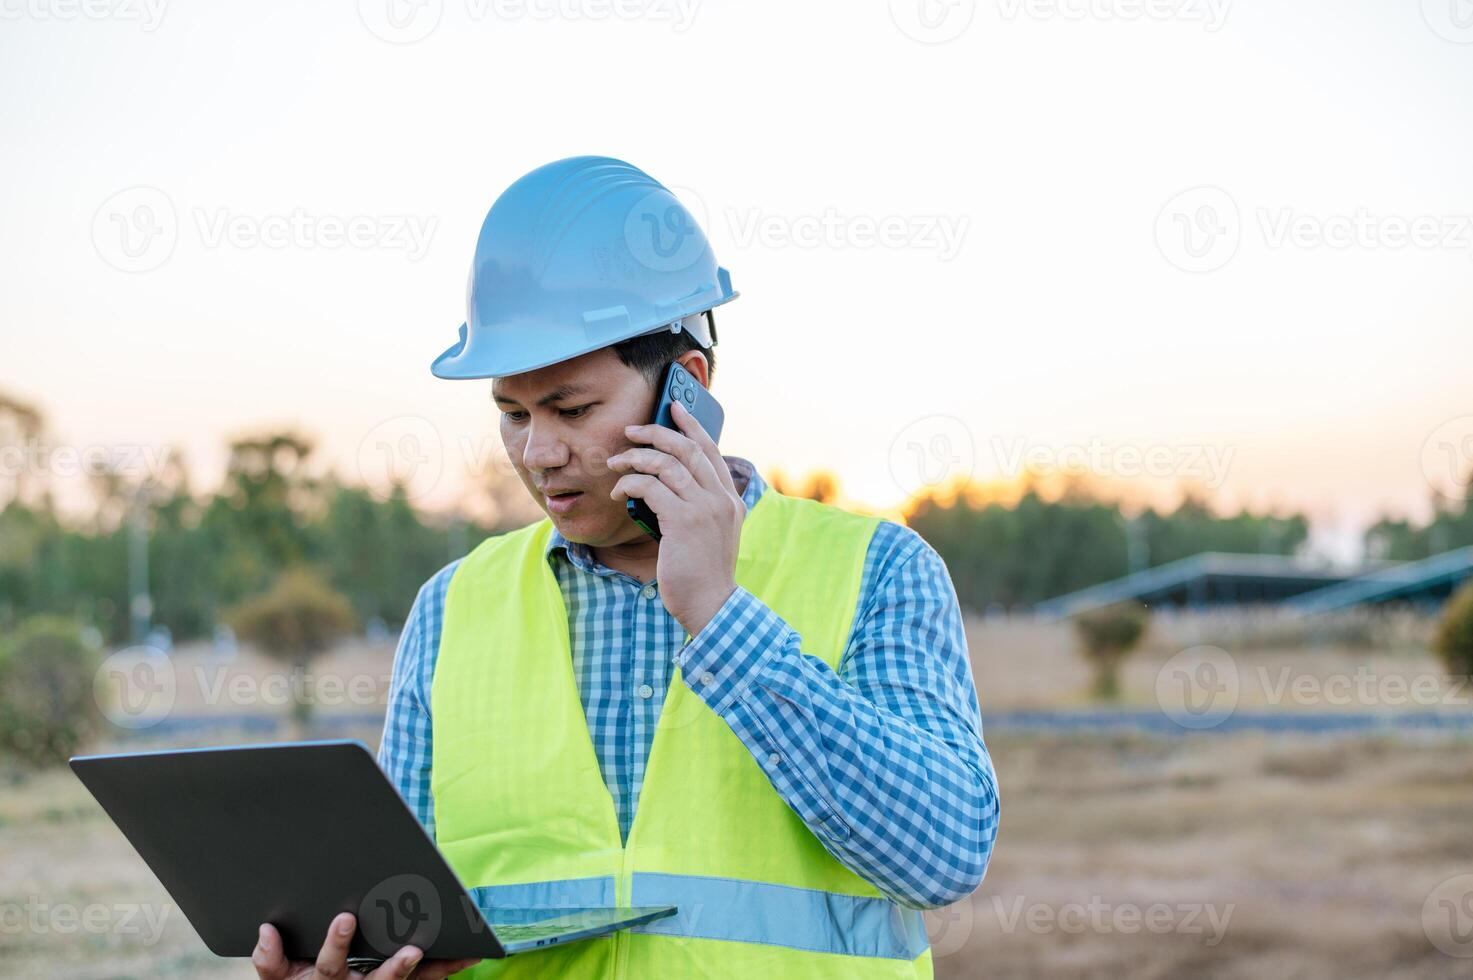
x=741, y=470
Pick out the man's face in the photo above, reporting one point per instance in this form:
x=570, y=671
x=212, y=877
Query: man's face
x=560, y=425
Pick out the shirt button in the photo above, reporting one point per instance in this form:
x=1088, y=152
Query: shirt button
x=707, y=677
x=645, y=691
x=774, y=759
x=648, y=591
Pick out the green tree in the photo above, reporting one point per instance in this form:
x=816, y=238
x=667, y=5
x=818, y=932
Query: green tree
x=1451, y=527
x=1014, y=556
x=47, y=706
x=1107, y=636
x=1454, y=639
x=298, y=619
x=380, y=552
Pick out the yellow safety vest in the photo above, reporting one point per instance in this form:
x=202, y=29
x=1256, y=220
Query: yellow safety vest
x=525, y=819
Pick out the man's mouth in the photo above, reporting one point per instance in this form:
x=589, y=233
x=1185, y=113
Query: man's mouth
x=562, y=501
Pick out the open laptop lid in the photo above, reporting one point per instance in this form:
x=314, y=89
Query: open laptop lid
x=293, y=834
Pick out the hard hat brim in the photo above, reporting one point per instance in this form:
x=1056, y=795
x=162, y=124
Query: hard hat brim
x=459, y=363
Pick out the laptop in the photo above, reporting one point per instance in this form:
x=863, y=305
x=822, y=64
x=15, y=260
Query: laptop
x=294, y=834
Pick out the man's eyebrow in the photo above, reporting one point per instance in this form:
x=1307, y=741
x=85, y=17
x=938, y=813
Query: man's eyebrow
x=557, y=394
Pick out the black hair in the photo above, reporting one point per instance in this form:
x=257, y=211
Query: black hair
x=651, y=353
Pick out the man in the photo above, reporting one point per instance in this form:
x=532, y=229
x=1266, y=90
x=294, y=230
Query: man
x=765, y=717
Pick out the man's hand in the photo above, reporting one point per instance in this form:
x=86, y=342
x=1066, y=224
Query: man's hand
x=686, y=483
x=332, y=962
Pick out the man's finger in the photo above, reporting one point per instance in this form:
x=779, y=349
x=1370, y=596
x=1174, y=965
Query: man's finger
x=702, y=438
x=268, y=957
x=682, y=447
x=399, y=966
x=671, y=471
x=660, y=498
x=332, y=960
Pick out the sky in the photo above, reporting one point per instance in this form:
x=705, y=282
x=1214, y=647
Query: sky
x=1219, y=242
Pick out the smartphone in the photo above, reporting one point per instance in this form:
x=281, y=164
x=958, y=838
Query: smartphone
x=678, y=386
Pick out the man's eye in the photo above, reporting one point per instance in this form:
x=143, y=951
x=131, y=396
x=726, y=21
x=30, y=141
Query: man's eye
x=577, y=413
x=514, y=416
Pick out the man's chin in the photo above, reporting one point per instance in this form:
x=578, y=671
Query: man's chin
x=589, y=529
x=597, y=531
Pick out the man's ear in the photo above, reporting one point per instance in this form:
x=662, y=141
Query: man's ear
x=695, y=363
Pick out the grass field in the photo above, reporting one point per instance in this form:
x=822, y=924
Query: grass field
x=1214, y=855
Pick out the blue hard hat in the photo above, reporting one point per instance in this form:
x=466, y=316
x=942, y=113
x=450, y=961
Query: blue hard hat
x=579, y=254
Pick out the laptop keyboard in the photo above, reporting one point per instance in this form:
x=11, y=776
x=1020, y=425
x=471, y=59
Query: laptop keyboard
x=524, y=931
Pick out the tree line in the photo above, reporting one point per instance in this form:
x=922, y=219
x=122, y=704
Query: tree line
x=204, y=554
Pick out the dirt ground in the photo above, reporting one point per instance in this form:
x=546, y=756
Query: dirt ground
x=1257, y=856
x=1195, y=855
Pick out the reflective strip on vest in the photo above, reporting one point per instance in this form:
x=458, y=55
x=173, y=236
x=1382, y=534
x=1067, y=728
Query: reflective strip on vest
x=565, y=893
x=780, y=915
x=525, y=819
x=741, y=911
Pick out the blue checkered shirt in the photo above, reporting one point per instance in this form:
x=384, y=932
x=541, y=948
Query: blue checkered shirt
x=882, y=759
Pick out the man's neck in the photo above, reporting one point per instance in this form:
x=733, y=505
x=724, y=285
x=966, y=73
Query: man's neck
x=637, y=558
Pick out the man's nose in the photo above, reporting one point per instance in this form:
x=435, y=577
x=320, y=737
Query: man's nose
x=545, y=449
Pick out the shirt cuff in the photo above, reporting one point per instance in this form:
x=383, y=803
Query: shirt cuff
x=720, y=662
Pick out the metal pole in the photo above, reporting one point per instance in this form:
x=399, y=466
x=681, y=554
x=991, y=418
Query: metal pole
x=140, y=605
